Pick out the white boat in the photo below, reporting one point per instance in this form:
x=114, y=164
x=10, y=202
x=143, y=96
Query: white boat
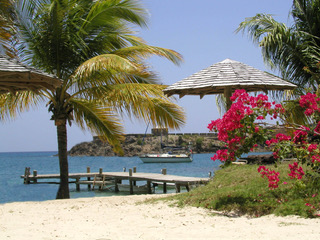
x=166, y=158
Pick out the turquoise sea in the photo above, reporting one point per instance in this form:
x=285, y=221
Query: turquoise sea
x=13, y=165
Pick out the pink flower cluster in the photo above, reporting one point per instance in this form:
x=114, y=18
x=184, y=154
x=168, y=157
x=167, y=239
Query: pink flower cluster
x=310, y=102
x=300, y=135
x=272, y=176
x=239, y=129
x=315, y=158
x=279, y=138
x=230, y=127
x=295, y=171
x=221, y=155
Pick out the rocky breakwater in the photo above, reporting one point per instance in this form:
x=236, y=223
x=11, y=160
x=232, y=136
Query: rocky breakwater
x=137, y=144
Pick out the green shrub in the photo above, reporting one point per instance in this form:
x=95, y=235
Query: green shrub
x=242, y=190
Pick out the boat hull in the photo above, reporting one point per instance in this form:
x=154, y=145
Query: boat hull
x=165, y=158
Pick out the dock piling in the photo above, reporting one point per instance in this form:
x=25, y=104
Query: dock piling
x=35, y=173
x=26, y=175
x=134, y=171
x=164, y=172
x=88, y=178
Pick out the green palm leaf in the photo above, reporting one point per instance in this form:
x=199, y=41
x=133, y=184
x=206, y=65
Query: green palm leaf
x=147, y=102
x=100, y=120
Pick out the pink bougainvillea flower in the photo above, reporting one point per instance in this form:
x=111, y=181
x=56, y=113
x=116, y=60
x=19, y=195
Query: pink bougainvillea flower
x=312, y=147
x=272, y=176
x=295, y=171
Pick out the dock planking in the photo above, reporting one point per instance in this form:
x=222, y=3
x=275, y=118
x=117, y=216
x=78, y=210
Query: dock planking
x=103, y=179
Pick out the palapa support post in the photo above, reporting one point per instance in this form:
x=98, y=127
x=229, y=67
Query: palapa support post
x=88, y=178
x=35, y=174
x=164, y=172
x=227, y=94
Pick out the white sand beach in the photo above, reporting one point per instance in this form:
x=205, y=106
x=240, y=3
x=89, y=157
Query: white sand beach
x=120, y=217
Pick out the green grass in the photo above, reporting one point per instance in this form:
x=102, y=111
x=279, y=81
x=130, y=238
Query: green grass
x=241, y=190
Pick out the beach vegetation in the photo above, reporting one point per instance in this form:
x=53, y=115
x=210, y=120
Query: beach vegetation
x=241, y=129
x=239, y=190
x=93, y=48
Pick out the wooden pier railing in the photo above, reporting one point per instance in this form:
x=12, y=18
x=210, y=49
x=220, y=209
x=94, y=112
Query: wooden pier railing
x=107, y=179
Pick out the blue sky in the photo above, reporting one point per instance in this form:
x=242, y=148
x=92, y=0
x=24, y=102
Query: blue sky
x=202, y=31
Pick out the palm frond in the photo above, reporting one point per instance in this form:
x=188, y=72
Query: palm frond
x=105, y=10
x=143, y=51
x=100, y=120
x=147, y=102
x=221, y=104
x=12, y=104
x=110, y=69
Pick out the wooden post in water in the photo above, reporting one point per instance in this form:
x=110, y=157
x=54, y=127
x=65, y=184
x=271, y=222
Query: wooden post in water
x=88, y=178
x=134, y=171
x=149, y=187
x=188, y=187
x=77, y=184
x=26, y=175
x=35, y=173
x=116, y=181
x=130, y=181
x=164, y=172
x=100, y=171
x=177, y=187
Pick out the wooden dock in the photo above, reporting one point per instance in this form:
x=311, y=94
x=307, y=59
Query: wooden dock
x=104, y=179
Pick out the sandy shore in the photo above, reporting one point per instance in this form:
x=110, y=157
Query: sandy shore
x=122, y=218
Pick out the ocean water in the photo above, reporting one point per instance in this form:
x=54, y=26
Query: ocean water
x=13, y=166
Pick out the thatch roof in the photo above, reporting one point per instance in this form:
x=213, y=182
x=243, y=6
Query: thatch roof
x=227, y=74
x=15, y=76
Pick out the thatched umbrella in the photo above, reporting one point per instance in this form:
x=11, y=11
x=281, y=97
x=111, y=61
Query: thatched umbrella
x=15, y=76
x=225, y=77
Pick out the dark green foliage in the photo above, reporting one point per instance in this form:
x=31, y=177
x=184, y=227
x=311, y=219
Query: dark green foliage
x=199, y=142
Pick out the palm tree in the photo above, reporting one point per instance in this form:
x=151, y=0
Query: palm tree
x=7, y=27
x=290, y=49
x=90, y=45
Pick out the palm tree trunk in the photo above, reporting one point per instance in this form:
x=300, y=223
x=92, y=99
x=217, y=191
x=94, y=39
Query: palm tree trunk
x=63, y=191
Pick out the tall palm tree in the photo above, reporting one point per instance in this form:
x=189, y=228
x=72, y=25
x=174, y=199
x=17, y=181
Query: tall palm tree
x=91, y=46
x=7, y=27
x=290, y=49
